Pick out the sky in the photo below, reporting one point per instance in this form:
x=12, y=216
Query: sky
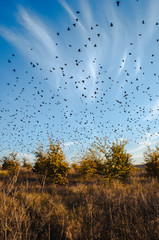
x=76, y=70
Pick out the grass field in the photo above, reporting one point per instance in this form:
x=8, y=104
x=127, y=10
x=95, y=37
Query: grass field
x=91, y=209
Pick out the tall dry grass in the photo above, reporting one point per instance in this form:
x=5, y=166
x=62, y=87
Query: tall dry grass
x=80, y=210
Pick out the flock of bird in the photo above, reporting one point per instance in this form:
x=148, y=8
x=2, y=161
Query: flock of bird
x=78, y=109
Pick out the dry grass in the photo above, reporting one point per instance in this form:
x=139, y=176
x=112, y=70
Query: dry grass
x=82, y=210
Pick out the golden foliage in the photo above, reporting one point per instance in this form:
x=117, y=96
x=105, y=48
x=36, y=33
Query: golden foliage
x=51, y=165
x=111, y=161
x=11, y=164
x=151, y=158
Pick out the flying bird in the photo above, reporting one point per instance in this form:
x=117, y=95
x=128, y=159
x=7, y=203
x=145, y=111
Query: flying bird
x=118, y=2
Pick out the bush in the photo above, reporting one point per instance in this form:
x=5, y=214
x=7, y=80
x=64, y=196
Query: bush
x=118, y=164
x=111, y=161
x=51, y=165
x=151, y=158
x=11, y=164
x=88, y=166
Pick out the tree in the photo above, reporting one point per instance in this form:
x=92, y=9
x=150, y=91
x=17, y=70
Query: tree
x=51, y=165
x=117, y=164
x=11, y=164
x=88, y=166
x=151, y=158
x=111, y=161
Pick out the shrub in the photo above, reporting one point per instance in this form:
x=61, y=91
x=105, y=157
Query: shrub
x=51, y=165
x=88, y=166
x=151, y=158
x=111, y=161
x=117, y=165
x=11, y=164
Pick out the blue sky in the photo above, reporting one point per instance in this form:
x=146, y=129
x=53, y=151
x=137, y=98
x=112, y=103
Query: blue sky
x=67, y=72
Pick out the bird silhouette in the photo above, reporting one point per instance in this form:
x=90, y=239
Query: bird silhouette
x=118, y=2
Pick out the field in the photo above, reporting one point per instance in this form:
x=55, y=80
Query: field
x=82, y=209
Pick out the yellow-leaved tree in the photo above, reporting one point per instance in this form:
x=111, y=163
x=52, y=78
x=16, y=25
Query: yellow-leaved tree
x=151, y=158
x=51, y=165
x=117, y=163
x=11, y=164
x=110, y=161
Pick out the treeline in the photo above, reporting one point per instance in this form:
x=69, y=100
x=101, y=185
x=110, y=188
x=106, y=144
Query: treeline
x=101, y=160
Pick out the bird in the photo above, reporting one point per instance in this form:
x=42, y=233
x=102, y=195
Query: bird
x=118, y=2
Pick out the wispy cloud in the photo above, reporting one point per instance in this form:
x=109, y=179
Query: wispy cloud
x=149, y=27
x=37, y=29
x=137, y=151
x=71, y=13
x=29, y=157
x=153, y=17
x=154, y=111
x=14, y=37
x=141, y=146
x=68, y=144
x=87, y=13
x=31, y=33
